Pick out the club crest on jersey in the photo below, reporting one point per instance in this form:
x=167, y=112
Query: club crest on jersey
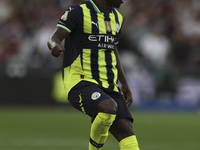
x=64, y=17
x=108, y=26
x=117, y=27
x=95, y=95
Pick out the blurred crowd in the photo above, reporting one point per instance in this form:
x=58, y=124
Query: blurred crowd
x=159, y=44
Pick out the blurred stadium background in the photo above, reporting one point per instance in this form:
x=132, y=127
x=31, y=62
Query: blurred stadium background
x=160, y=52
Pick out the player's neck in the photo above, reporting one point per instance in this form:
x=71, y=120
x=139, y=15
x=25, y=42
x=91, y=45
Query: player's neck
x=102, y=4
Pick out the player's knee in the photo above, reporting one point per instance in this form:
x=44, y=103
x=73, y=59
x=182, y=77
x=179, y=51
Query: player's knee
x=107, y=106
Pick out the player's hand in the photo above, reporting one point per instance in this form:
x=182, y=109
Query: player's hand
x=57, y=50
x=127, y=94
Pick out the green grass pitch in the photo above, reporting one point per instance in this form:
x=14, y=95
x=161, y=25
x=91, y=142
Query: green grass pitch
x=68, y=129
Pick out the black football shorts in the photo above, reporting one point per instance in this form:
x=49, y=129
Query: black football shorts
x=85, y=96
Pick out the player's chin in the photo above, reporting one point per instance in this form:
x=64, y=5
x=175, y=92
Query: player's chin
x=117, y=5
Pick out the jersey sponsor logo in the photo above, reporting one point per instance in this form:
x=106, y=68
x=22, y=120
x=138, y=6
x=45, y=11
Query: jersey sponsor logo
x=105, y=41
x=101, y=38
x=108, y=26
x=106, y=46
x=95, y=95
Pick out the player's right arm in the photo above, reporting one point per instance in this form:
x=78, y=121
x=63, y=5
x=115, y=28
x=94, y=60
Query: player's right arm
x=69, y=22
x=54, y=42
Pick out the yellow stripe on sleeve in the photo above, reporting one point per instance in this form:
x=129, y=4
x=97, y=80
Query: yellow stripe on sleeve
x=61, y=26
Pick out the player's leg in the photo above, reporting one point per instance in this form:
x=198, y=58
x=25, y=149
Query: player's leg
x=122, y=131
x=121, y=128
x=106, y=113
x=90, y=99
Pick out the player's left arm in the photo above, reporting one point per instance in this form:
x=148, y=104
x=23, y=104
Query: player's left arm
x=124, y=84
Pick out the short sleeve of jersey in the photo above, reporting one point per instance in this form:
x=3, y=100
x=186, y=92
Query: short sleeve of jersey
x=117, y=39
x=69, y=20
x=119, y=27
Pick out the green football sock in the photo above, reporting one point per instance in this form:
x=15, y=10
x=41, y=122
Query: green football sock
x=99, y=130
x=129, y=143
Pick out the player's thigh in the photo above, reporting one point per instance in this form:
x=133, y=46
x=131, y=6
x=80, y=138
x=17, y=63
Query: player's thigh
x=86, y=96
x=122, y=126
x=122, y=110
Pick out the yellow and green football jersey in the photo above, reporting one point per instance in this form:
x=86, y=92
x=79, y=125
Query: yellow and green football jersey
x=89, y=48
